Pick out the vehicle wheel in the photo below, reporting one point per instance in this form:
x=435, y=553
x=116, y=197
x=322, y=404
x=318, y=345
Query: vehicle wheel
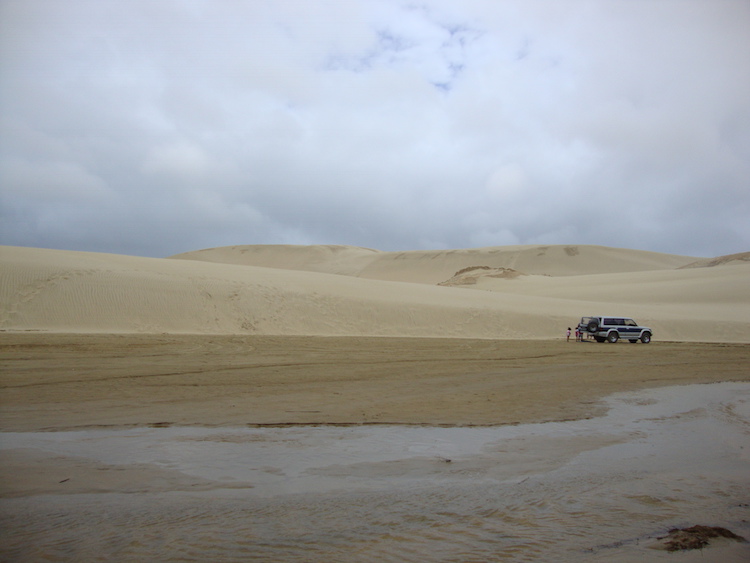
x=593, y=326
x=613, y=336
x=633, y=340
x=646, y=337
x=599, y=338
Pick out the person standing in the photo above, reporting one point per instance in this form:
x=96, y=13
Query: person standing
x=568, y=335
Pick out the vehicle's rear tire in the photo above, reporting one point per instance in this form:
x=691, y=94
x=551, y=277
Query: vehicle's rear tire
x=612, y=337
x=646, y=337
x=593, y=326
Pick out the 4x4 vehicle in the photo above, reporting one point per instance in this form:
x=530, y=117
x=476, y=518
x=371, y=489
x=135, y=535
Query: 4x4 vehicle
x=612, y=329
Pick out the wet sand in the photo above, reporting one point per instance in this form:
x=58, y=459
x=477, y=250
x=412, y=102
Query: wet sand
x=70, y=381
x=134, y=447
x=603, y=489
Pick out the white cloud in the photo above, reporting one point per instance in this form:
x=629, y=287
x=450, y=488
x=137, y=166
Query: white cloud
x=185, y=161
x=177, y=125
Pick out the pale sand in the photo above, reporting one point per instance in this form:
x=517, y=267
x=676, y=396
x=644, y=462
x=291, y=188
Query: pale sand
x=360, y=292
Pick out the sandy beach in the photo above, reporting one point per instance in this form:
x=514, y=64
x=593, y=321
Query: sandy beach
x=53, y=382
x=120, y=377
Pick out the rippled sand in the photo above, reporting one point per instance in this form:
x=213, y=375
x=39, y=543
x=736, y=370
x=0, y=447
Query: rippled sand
x=600, y=489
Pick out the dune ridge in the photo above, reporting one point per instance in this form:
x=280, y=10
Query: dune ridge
x=728, y=259
x=340, y=290
x=435, y=266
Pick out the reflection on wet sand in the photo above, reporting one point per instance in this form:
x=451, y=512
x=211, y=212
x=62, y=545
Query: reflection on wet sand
x=597, y=489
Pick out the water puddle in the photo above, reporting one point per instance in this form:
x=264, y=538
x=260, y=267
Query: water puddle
x=583, y=490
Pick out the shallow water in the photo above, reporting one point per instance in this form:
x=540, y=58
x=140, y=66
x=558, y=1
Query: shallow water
x=598, y=489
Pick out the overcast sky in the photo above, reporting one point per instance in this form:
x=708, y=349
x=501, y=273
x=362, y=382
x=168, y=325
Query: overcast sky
x=152, y=127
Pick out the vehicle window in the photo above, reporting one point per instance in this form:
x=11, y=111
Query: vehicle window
x=630, y=322
x=609, y=321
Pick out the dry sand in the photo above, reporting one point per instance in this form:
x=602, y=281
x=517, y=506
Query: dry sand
x=360, y=292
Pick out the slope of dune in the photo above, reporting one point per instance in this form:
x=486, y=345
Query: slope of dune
x=726, y=260
x=68, y=291
x=65, y=291
x=677, y=303
x=329, y=259
x=435, y=266
x=438, y=266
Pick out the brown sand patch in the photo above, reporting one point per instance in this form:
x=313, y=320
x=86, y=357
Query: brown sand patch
x=719, y=261
x=470, y=275
x=67, y=381
x=696, y=537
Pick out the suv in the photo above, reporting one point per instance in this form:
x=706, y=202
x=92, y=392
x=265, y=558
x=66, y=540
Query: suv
x=612, y=329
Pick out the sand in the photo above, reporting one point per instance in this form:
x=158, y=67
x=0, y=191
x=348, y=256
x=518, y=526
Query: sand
x=609, y=488
x=360, y=292
x=337, y=334
x=67, y=382
x=300, y=339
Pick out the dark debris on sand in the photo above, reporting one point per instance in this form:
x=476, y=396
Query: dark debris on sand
x=696, y=537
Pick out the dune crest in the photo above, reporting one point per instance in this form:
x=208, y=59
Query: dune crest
x=729, y=259
x=328, y=258
x=435, y=266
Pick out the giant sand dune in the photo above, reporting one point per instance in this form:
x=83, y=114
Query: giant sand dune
x=525, y=292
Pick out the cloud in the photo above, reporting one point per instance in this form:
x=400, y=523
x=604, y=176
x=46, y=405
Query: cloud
x=181, y=160
x=154, y=128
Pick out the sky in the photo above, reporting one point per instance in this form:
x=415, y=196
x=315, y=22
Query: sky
x=154, y=127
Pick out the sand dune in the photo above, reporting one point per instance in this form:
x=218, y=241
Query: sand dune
x=428, y=266
x=340, y=290
x=329, y=259
x=729, y=259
